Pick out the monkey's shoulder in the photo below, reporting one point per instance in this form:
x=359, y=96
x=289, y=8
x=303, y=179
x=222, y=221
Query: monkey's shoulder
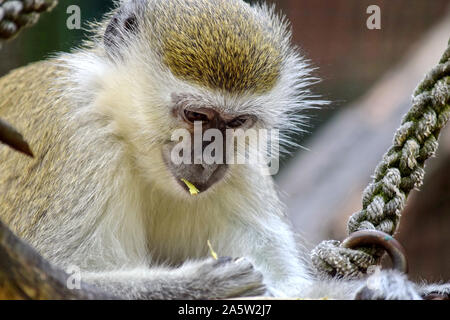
x=29, y=90
x=31, y=101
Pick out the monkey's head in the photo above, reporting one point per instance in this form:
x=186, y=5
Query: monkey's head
x=162, y=65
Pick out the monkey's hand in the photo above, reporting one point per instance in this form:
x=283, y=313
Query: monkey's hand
x=206, y=279
x=223, y=278
x=388, y=285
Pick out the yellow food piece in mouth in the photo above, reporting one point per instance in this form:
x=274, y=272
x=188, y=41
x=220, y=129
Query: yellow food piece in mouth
x=192, y=189
x=211, y=250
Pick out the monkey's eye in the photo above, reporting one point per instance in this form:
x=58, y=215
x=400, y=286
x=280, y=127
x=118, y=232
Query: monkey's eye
x=130, y=23
x=240, y=122
x=192, y=116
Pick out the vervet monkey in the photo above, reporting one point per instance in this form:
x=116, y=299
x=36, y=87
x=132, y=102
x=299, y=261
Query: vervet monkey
x=102, y=193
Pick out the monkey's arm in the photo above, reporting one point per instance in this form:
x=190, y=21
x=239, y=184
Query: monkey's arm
x=273, y=250
x=207, y=279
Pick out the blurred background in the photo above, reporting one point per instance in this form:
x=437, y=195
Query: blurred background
x=369, y=76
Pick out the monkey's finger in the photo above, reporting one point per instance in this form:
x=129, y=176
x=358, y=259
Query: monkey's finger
x=12, y=138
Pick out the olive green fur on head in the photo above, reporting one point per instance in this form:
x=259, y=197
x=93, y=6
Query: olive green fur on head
x=219, y=44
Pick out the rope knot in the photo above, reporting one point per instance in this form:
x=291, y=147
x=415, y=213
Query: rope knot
x=331, y=258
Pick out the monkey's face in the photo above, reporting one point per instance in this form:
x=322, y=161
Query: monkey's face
x=202, y=156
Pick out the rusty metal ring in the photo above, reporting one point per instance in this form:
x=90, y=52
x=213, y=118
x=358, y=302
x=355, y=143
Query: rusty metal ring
x=374, y=237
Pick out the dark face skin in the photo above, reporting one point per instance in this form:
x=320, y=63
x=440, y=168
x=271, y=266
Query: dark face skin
x=203, y=175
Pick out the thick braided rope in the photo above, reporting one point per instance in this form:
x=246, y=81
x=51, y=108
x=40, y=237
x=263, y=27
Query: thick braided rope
x=16, y=14
x=400, y=171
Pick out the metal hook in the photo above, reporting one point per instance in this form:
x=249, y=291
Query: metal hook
x=374, y=237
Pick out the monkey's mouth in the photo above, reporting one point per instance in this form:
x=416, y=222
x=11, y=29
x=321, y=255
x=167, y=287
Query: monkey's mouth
x=201, y=176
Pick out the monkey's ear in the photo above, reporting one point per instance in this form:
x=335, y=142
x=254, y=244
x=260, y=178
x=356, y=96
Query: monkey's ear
x=123, y=26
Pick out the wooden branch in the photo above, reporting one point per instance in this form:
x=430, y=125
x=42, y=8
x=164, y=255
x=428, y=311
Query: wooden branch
x=25, y=274
x=11, y=137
